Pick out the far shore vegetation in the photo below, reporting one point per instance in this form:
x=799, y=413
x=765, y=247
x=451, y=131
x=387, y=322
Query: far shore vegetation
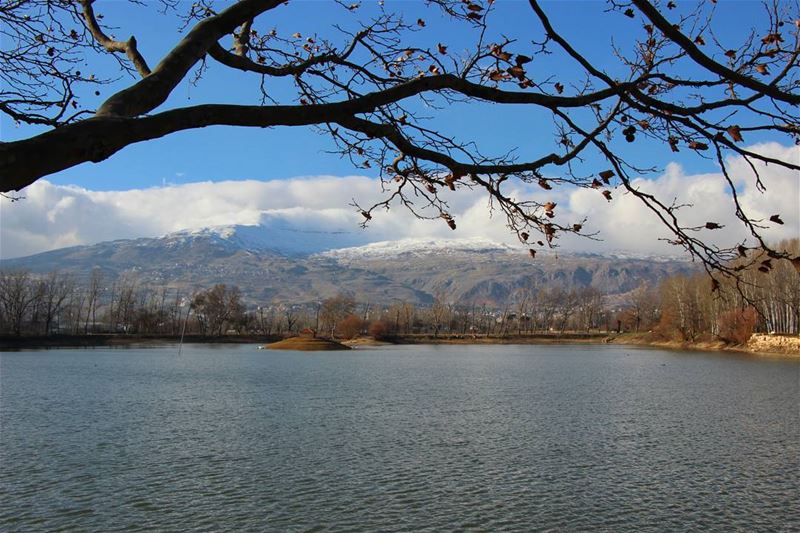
x=681, y=309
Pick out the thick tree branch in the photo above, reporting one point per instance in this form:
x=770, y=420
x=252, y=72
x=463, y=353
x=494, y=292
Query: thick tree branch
x=153, y=90
x=128, y=47
x=97, y=138
x=21, y=162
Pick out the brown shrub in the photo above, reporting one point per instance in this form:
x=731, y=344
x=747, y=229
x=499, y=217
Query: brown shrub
x=737, y=325
x=667, y=328
x=381, y=329
x=350, y=326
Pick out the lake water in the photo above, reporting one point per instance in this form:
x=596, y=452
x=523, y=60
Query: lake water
x=413, y=438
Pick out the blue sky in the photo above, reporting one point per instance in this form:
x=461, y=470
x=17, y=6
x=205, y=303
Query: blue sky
x=229, y=153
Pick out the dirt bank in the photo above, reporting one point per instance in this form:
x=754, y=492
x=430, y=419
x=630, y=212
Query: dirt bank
x=306, y=344
x=775, y=344
x=366, y=342
x=769, y=345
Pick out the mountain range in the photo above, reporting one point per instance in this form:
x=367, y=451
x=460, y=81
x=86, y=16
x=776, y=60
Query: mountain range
x=287, y=265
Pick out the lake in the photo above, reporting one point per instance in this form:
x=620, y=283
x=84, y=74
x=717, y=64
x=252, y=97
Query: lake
x=401, y=438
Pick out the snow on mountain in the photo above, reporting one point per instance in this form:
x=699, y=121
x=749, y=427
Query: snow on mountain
x=625, y=255
x=420, y=247
x=262, y=237
x=348, y=246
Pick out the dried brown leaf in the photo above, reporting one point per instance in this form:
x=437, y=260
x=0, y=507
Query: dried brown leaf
x=606, y=175
x=697, y=145
x=522, y=59
x=735, y=133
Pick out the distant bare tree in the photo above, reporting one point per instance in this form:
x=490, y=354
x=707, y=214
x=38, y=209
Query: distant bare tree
x=219, y=307
x=92, y=295
x=16, y=297
x=438, y=313
x=590, y=307
x=122, y=314
x=56, y=290
x=643, y=306
x=291, y=315
x=334, y=310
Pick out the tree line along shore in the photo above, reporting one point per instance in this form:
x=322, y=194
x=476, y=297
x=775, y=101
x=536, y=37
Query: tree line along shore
x=56, y=309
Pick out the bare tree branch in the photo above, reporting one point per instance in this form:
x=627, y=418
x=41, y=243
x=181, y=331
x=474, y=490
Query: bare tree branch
x=694, y=52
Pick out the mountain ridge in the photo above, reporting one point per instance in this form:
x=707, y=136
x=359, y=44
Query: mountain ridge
x=270, y=267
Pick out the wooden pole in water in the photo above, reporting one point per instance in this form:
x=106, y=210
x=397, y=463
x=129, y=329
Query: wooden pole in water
x=183, y=329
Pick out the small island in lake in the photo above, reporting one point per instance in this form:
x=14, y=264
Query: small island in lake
x=307, y=341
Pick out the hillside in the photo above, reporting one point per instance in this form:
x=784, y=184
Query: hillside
x=302, y=269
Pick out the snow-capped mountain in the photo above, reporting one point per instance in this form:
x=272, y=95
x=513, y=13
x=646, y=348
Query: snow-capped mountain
x=271, y=263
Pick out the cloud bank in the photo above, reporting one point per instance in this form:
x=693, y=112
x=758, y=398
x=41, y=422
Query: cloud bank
x=54, y=216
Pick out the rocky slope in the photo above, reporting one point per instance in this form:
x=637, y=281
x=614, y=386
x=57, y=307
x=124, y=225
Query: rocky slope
x=305, y=268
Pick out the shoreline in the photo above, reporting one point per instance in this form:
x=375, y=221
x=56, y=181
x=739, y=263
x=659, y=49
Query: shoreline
x=621, y=339
x=118, y=340
x=707, y=346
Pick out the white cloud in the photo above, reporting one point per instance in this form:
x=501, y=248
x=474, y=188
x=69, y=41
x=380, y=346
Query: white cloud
x=54, y=216
x=627, y=224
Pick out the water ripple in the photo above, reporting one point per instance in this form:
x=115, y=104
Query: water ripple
x=511, y=438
